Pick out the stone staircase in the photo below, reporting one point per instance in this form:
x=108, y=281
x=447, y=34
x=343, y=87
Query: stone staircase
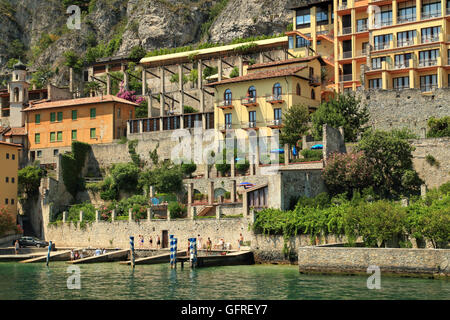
x=209, y=210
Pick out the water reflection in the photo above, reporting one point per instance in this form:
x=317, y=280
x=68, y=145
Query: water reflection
x=114, y=281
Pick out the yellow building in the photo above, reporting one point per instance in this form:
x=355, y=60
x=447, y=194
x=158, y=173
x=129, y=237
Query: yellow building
x=52, y=126
x=9, y=165
x=259, y=98
x=378, y=44
x=392, y=44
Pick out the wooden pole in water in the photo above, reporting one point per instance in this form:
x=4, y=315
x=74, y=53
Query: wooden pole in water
x=48, y=252
x=132, y=250
x=175, y=241
x=171, y=250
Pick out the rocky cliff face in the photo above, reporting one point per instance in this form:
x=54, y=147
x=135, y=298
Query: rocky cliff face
x=150, y=23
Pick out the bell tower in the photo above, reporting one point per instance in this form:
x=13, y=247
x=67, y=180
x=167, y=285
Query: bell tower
x=18, y=95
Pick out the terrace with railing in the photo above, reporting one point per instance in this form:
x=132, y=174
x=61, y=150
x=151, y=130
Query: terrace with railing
x=428, y=87
x=274, y=99
x=382, y=46
x=225, y=104
x=405, y=43
x=345, y=77
x=434, y=38
x=346, y=55
x=345, y=30
x=274, y=123
x=428, y=62
x=406, y=18
x=431, y=14
x=249, y=101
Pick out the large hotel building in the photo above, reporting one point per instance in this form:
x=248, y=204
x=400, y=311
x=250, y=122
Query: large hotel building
x=377, y=44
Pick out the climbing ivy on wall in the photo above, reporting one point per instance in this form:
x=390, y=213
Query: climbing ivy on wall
x=71, y=164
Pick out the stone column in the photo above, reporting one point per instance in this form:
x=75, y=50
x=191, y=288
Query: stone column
x=286, y=154
x=233, y=191
x=97, y=216
x=181, y=88
x=211, y=192
x=190, y=192
x=233, y=166
x=218, y=212
x=125, y=77
x=152, y=191
x=149, y=105
x=128, y=128
x=130, y=214
x=206, y=171
x=144, y=82
x=423, y=190
x=71, y=80
x=161, y=96
x=193, y=212
x=252, y=215
x=261, y=57
x=149, y=214
x=245, y=203
x=108, y=84
x=200, y=87
x=168, y=214
x=241, y=66
x=113, y=215
x=64, y=216
x=219, y=69
x=81, y=216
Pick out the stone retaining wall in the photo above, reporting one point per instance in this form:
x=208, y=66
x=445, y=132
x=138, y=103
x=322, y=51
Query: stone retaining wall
x=389, y=260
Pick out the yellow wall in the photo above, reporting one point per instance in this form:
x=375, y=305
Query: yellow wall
x=9, y=168
x=103, y=123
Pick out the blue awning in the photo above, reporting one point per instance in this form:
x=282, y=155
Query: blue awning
x=277, y=151
x=317, y=146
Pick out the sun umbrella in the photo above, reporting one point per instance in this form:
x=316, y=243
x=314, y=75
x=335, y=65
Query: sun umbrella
x=317, y=146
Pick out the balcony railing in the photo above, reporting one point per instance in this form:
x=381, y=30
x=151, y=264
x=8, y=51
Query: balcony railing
x=448, y=10
x=274, y=123
x=346, y=77
x=382, y=46
x=274, y=99
x=225, y=104
x=346, y=54
x=343, y=7
x=427, y=87
x=226, y=126
x=409, y=18
x=384, y=23
x=346, y=30
x=248, y=125
x=248, y=101
x=361, y=53
x=448, y=61
x=362, y=27
x=401, y=87
x=432, y=14
x=434, y=38
x=405, y=43
x=402, y=65
x=427, y=63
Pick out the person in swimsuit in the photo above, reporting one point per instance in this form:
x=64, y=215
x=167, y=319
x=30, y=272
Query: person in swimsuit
x=158, y=242
x=151, y=241
x=208, y=245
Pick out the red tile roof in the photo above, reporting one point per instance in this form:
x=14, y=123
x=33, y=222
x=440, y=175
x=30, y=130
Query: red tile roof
x=75, y=102
x=10, y=144
x=261, y=75
x=282, y=62
x=16, y=132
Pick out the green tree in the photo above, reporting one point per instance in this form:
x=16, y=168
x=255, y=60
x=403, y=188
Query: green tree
x=295, y=124
x=125, y=176
x=234, y=73
x=137, y=53
x=16, y=49
x=391, y=158
x=29, y=179
x=42, y=77
x=343, y=110
x=439, y=127
x=73, y=60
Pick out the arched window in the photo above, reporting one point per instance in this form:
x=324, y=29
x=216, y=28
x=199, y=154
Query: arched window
x=313, y=94
x=277, y=90
x=16, y=94
x=252, y=92
x=299, y=89
x=228, y=97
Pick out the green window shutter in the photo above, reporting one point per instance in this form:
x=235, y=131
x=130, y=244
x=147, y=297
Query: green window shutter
x=52, y=136
x=37, y=138
x=93, y=135
x=93, y=113
x=74, y=134
x=37, y=118
x=60, y=116
x=52, y=117
x=59, y=136
x=74, y=115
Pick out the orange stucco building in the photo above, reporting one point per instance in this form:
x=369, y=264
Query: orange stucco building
x=52, y=126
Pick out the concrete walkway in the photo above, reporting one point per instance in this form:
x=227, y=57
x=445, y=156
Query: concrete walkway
x=160, y=258
x=107, y=257
x=54, y=256
x=230, y=259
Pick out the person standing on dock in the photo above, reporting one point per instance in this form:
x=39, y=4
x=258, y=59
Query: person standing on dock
x=16, y=247
x=150, y=241
x=208, y=245
x=241, y=241
x=200, y=241
x=158, y=242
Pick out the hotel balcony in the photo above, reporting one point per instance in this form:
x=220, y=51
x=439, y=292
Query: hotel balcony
x=432, y=14
x=346, y=55
x=385, y=23
x=314, y=81
x=448, y=61
x=382, y=46
x=226, y=126
x=346, y=30
x=274, y=99
x=343, y=6
x=225, y=104
x=402, y=87
x=249, y=102
x=428, y=63
x=277, y=123
x=404, y=19
x=362, y=28
x=399, y=66
x=428, y=87
x=405, y=43
x=361, y=53
x=430, y=39
x=249, y=125
x=345, y=77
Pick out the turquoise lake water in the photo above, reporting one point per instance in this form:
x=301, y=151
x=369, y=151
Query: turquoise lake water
x=266, y=282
